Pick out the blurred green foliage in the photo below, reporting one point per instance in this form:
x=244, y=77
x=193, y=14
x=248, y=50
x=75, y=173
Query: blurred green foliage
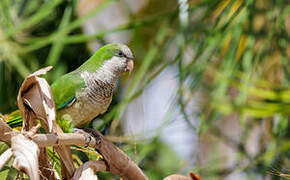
x=239, y=65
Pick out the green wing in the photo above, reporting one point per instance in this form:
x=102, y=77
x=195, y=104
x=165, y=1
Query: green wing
x=64, y=89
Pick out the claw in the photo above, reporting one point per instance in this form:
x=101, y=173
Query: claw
x=87, y=135
x=94, y=133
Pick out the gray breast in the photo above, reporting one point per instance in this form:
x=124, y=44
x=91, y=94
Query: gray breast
x=90, y=101
x=99, y=91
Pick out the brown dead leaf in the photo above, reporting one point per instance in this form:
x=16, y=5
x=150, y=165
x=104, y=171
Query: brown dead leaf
x=177, y=177
x=89, y=169
x=194, y=176
x=35, y=101
x=5, y=157
x=26, y=154
x=5, y=132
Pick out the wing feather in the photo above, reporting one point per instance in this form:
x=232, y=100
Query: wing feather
x=64, y=89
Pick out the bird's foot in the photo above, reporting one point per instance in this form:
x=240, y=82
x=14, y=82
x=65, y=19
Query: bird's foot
x=87, y=135
x=94, y=133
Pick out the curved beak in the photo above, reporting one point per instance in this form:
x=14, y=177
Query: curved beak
x=130, y=65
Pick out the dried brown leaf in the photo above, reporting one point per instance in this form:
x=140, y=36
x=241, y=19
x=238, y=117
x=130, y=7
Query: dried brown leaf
x=5, y=157
x=46, y=168
x=177, y=177
x=5, y=132
x=194, y=176
x=89, y=169
x=26, y=154
x=35, y=101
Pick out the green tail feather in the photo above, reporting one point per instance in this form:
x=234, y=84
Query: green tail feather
x=13, y=119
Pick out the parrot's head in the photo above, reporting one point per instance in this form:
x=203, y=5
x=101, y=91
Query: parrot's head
x=114, y=59
x=117, y=57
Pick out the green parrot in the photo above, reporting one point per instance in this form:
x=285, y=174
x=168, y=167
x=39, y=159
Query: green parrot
x=86, y=92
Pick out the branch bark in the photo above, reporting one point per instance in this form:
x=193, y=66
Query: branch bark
x=64, y=139
x=116, y=161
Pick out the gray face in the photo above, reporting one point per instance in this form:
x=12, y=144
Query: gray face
x=121, y=62
x=125, y=58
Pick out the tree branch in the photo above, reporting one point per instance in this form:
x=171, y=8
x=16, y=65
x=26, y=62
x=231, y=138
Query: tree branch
x=116, y=161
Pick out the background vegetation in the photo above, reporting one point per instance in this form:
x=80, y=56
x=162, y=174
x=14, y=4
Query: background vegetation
x=231, y=58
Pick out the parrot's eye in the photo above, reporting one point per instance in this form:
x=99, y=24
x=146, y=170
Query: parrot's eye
x=121, y=54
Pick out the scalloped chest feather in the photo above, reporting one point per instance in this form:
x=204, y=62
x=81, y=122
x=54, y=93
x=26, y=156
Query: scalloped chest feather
x=90, y=101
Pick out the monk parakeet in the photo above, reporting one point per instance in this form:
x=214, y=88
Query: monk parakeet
x=86, y=92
